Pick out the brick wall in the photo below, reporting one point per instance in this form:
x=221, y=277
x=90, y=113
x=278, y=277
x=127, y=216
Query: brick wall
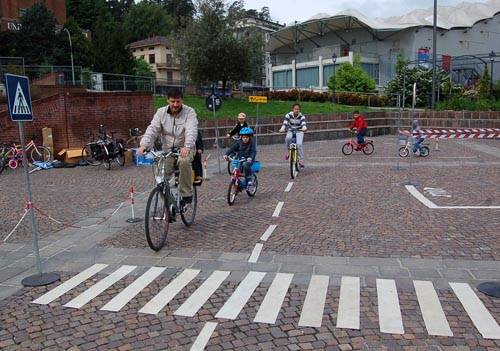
x=70, y=115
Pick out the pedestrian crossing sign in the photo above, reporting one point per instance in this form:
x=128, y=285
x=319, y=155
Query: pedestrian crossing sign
x=18, y=98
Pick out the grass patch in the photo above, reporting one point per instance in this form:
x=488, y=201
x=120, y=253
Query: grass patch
x=232, y=106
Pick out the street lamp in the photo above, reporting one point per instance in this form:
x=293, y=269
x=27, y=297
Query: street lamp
x=434, y=55
x=492, y=56
x=334, y=59
x=71, y=50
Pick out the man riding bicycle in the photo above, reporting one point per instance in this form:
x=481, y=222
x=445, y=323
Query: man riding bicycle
x=177, y=126
x=297, y=121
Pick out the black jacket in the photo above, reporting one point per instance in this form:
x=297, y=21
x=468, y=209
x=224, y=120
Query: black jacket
x=199, y=141
x=237, y=128
x=243, y=150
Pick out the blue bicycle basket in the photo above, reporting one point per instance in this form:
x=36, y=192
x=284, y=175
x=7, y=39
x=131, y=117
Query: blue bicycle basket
x=256, y=167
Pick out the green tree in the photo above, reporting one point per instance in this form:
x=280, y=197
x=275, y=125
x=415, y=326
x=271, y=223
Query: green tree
x=484, y=84
x=182, y=11
x=146, y=20
x=109, y=43
x=119, y=8
x=85, y=12
x=352, y=77
x=8, y=41
x=37, y=40
x=406, y=76
x=210, y=51
x=142, y=68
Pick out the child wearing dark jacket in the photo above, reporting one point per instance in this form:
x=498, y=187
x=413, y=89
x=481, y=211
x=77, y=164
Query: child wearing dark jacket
x=197, y=165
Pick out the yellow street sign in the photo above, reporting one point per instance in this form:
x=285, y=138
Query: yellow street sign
x=258, y=99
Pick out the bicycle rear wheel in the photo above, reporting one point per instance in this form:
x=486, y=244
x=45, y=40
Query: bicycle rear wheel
x=188, y=211
x=40, y=154
x=368, y=149
x=157, y=219
x=252, y=189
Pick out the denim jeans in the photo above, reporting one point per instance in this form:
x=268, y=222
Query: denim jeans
x=361, y=135
x=416, y=146
x=300, y=139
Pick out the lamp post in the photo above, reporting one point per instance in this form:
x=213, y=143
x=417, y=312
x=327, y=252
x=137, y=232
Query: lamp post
x=71, y=50
x=492, y=56
x=434, y=55
x=334, y=59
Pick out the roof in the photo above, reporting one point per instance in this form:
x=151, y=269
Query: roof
x=463, y=15
x=157, y=40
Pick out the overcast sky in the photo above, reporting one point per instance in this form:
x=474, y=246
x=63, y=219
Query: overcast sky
x=301, y=10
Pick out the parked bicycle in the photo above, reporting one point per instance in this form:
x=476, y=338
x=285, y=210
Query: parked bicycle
x=164, y=202
x=4, y=160
x=352, y=145
x=104, y=150
x=238, y=181
x=135, y=138
x=13, y=154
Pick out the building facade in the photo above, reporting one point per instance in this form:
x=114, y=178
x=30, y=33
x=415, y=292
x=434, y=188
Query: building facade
x=158, y=53
x=12, y=10
x=303, y=54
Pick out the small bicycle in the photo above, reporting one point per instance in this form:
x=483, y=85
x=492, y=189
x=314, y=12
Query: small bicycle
x=238, y=180
x=14, y=154
x=229, y=163
x=164, y=202
x=352, y=144
x=404, y=151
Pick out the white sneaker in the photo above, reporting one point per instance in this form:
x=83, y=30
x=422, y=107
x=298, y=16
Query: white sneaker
x=417, y=153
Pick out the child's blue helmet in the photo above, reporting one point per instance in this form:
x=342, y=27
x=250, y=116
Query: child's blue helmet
x=246, y=131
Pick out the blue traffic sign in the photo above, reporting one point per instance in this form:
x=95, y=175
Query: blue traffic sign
x=18, y=98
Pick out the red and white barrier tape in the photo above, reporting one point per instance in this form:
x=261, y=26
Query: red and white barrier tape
x=460, y=133
x=15, y=227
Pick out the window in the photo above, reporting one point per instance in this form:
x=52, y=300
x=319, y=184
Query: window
x=169, y=76
x=169, y=59
x=151, y=48
x=151, y=58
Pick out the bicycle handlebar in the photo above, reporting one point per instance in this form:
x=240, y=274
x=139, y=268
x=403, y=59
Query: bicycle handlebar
x=163, y=154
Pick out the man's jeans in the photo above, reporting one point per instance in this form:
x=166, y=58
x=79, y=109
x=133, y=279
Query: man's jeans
x=361, y=136
x=416, y=146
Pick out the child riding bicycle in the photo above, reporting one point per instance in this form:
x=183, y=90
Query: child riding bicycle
x=295, y=120
x=244, y=149
x=361, y=128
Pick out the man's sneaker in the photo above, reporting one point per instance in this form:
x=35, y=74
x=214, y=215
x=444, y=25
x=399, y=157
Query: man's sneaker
x=187, y=200
x=301, y=164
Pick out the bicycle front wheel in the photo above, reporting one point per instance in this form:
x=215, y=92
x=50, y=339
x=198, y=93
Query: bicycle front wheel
x=403, y=151
x=347, y=149
x=424, y=151
x=188, y=211
x=157, y=219
x=293, y=160
x=232, y=191
x=88, y=157
x=40, y=154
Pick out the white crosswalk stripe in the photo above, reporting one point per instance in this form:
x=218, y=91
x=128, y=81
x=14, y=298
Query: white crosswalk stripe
x=314, y=304
x=348, y=314
x=482, y=319
x=432, y=312
x=162, y=299
x=271, y=306
x=99, y=287
x=312, y=309
x=133, y=289
x=389, y=312
x=239, y=298
x=202, y=294
x=69, y=284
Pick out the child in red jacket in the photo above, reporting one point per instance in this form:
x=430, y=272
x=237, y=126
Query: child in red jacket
x=361, y=128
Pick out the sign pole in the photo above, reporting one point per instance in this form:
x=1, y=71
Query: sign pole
x=257, y=126
x=21, y=110
x=216, y=131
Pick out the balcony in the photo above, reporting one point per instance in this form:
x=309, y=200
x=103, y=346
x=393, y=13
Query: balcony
x=167, y=65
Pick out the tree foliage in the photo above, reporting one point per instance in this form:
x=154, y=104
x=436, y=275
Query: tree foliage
x=82, y=48
x=85, y=12
x=37, y=40
x=406, y=76
x=209, y=49
x=142, y=68
x=145, y=20
x=351, y=77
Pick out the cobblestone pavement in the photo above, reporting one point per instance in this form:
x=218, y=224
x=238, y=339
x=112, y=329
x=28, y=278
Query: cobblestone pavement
x=343, y=216
x=351, y=206
x=28, y=326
